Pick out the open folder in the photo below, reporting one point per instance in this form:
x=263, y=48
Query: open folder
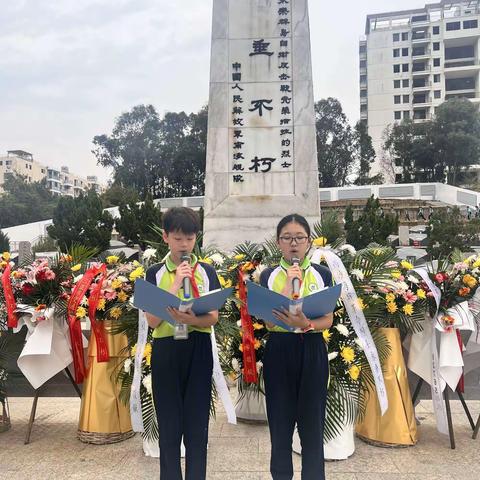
x=154, y=300
x=262, y=301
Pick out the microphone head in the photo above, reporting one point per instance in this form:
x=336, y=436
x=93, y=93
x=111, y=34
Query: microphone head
x=185, y=257
x=295, y=261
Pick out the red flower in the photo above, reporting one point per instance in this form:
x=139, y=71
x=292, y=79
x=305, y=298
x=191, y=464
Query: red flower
x=441, y=277
x=27, y=289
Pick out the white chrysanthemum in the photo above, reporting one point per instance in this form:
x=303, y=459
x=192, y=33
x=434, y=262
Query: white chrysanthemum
x=348, y=248
x=235, y=365
x=259, y=366
x=413, y=279
x=342, y=329
x=217, y=258
x=84, y=301
x=258, y=271
x=239, y=323
x=147, y=383
x=402, y=286
x=332, y=356
x=127, y=364
x=359, y=343
x=357, y=273
x=122, y=279
x=77, y=278
x=149, y=253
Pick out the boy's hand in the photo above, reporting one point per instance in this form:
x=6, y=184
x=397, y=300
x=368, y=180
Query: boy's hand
x=296, y=320
x=187, y=318
x=184, y=270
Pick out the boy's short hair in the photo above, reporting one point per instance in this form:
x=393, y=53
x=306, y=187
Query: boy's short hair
x=181, y=219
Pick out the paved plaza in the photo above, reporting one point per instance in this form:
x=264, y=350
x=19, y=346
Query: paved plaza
x=235, y=452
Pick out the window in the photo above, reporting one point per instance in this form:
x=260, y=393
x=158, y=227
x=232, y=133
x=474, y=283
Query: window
x=436, y=46
x=436, y=30
x=396, y=37
x=363, y=93
x=396, y=69
x=404, y=52
x=363, y=64
x=1, y=163
x=437, y=94
x=436, y=78
x=398, y=115
x=397, y=99
x=363, y=108
x=404, y=36
x=406, y=83
x=453, y=26
x=396, y=84
x=405, y=67
x=396, y=52
x=436, y=62
x=406, y=99
x=363, y=78
x=362, y=49
x=470, y=24
x=406, y=114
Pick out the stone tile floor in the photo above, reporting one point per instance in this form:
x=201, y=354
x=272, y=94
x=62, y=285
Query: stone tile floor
x=235, y=452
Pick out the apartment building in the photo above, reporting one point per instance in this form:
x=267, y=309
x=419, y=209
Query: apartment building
x=412, y=61
x=60, y=182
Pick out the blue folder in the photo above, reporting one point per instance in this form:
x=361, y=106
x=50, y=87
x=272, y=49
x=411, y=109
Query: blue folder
x=261, y=301
x=155, y=300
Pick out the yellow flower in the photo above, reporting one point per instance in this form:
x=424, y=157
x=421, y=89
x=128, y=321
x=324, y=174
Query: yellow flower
x=133, y=350
x=390, y=297
x=247, y=266
x=326, y=335
x=469, y=281
x=408, y=309
x=116, y=283
x=76, y=267
x=241, y=347
x=101, y=304
x=6, y=256
x=348, y=354
x=396, y=274
x=354, y=372
x=112, y=259
x=421, y=294
x=206, y=260
x=476, y=263
x=81, y=312
x=406, y=265
x=3, y=264
x=116, y=312
x=378, y=251
x=320, y=242
x=239, y=257
x=257, y=344
x=147, y=353
x=361, y=303
x=122, y=296
x=257, y=326
x=392, y=307
x=137, y=273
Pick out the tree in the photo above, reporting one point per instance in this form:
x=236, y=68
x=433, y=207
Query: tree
x=448, y=230
x=335, y=143
x=4, y=242
x=161, y=157
x=24, y=202
x=373, y=225
x=81, y=220
x=136, y=222
x=365, y=154
x=116, y=195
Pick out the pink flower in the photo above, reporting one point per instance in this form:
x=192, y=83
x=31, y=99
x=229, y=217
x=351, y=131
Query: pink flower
x=49, y=274
x=109, y=294
x=410, y=297
x=440, y=277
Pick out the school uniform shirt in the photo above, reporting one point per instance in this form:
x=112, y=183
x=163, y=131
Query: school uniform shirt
x=314, y=278
x=163, y=275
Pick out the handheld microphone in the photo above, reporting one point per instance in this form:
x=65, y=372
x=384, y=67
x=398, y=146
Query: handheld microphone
x=187, y=286
x=295, y=281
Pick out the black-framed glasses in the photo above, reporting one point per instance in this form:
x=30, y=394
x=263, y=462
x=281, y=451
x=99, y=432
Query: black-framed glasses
x=298, y=240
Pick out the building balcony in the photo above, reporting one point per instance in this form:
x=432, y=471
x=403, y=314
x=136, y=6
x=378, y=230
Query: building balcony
x=423, y=55
x=421, y=38
x=421, y=87
x=363, y=100
x=363, y=115
x=363, y=70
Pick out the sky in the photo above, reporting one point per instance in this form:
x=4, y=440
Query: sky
x=69, y=68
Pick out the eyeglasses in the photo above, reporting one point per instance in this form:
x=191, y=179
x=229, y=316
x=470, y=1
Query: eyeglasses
x=298, y=240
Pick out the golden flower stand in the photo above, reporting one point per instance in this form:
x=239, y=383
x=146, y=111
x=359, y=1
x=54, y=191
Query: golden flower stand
x=104, y=418
x=398, y=426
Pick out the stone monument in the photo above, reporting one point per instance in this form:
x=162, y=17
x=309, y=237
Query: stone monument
x=261, y=153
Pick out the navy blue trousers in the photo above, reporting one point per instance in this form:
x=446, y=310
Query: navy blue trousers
x=182, y=387
x=296, y=373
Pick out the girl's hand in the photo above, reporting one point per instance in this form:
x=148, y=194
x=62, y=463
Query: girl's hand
x=296, y=320
x=187, y=318
x=292, y=272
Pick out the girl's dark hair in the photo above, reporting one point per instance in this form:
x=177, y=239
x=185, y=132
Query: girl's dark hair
x=293, y=218
x=181, y=219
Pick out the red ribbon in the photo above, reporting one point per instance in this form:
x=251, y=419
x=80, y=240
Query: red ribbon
x=98, y=328
x=248, y=338
x=193, y=281
x=74, y=324
x=461, y=382
x=12, y=321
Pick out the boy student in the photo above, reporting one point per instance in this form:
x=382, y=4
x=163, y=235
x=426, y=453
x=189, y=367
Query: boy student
x=182, y=368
